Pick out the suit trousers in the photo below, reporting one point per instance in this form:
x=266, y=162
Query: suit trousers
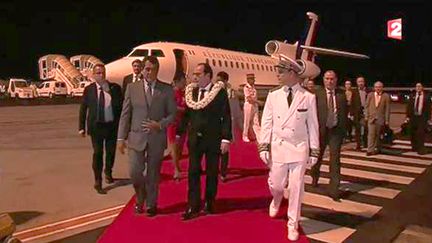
x=212, y=156
x=224, y=164
x=251, y=121
x=361, y=136
x=418, y=132
x=144, y=170
x=374, y=134
x=103, y=134
x=293, y=173
x=333, y=137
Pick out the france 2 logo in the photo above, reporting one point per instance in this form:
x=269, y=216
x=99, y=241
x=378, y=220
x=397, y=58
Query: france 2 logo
x=394, y=29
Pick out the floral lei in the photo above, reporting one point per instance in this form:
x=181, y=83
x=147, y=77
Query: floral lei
x=197, y=105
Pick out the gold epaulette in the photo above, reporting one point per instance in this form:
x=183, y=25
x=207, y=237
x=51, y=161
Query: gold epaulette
x=263, y=147
x=314, y=153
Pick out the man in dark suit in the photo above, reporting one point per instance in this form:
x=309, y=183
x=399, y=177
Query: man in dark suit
x=101, y=107
x=137, y=67
x=418, y=111
x=208, y=121
x=358, y=109
x=332, y=118
x=148, y=108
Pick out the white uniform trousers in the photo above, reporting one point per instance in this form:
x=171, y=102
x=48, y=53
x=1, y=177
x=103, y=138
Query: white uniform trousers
x=251, y=120
x=293, y=173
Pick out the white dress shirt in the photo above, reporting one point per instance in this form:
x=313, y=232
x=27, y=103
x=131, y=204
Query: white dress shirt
x=334, y=98
x=206, y=90
x=109, y=117
x=420, y=108
x=377, y=99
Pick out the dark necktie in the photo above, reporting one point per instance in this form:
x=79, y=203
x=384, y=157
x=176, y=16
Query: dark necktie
x=136, y=78
x=202, y=93
x=101, y=106
x=290, y=96
x=149, y=94
x=417, y=104
x=331, y=115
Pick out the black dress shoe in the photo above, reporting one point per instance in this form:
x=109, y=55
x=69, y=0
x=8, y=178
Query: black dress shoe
x=138, y=209
x=314, y=182
x=209, y=208
x=109, y=179
x=335, y=196
x=98, y=188
x=151, y=212
x=190, y=214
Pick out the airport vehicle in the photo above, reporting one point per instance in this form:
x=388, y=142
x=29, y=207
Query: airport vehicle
x=76, y=92
x=19, y=88
x=52, y=89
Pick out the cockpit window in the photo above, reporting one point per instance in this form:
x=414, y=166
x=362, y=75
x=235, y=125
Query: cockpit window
x=139, y=53
x=157, y=53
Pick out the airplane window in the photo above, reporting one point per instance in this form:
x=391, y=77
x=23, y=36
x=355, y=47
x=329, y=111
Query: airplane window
x=226, y=64
x=214, y=62
x=220, y=63
x=232, y=64
x=157, y=53
x=139, y=53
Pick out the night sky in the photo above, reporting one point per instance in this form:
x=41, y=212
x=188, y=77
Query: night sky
x=110, y=31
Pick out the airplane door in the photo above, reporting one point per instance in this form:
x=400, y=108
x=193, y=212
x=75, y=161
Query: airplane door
x=181, y=62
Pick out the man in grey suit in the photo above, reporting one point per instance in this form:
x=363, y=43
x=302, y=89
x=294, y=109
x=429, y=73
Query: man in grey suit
x=148, y=108
x=377, y=115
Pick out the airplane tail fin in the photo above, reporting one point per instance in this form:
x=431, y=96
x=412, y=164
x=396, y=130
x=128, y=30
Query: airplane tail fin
x=310, y=37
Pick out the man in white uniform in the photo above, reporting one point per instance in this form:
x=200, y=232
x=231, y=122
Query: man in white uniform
x=250, y=109
x=289, y=142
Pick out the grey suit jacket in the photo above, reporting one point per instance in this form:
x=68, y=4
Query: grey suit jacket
x=378, y=114
x=135, y=110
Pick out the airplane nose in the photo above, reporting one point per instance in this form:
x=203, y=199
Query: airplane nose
x=117, y=70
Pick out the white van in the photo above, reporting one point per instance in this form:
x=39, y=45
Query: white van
x=52, y=89
x=79, y=91
x=19, y=88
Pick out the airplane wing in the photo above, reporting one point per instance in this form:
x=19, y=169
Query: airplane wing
x=319, y=50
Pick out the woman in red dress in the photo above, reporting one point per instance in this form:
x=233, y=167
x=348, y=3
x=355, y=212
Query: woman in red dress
x=176, y=145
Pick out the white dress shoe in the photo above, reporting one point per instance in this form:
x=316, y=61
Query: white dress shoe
x=293, y=234
x=274, y=208
x=246, y=139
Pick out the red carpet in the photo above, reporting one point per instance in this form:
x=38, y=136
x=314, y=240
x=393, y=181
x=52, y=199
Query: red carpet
x=242, y=209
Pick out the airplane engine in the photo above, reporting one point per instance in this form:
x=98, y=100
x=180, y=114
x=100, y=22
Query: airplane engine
x=310, y=69
x=287, y=52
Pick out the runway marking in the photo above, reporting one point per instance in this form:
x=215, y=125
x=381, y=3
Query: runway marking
x=387, y=166
x=372, y=175
x=382, y=192
x=324, y=231
x=390, y=157
x=344, y=206
x=409, y=142
x=68, y=224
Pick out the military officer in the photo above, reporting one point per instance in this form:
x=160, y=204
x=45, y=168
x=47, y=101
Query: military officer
x=250, y=108
x=289, y=142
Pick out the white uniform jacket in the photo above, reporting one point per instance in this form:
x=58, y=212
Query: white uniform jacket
x=290, y=133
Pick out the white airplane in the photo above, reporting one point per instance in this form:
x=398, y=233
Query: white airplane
x=178, y=57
